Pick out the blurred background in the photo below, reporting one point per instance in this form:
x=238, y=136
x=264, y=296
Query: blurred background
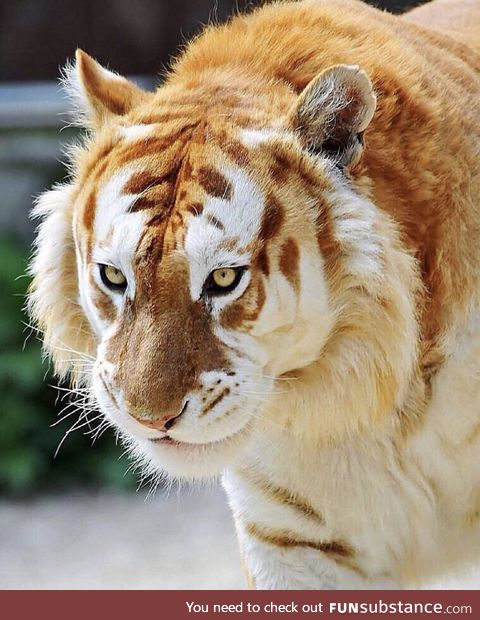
x=74, y=520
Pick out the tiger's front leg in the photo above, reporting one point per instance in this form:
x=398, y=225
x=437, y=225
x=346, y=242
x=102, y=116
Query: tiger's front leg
x=282, y=564
x=272, y=561
x=286, y=545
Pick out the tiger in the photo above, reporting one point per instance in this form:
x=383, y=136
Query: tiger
x=267, y=270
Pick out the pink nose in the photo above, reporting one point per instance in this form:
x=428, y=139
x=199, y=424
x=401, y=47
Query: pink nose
x=164, y=423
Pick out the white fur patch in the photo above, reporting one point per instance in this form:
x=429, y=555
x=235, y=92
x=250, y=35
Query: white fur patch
x=116, y=236
x=134, y=133
x=113, y=219
x=255, y=137
x=355, y=219
x=240, y=217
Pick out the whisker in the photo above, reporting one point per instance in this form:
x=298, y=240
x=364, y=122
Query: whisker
x=266, y=393
x=76, y=426
x=68, y=390
x=105, y=425
x=77, y=408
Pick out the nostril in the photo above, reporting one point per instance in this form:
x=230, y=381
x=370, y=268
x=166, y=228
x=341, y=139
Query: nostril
x=171, y=421
x=184, y=408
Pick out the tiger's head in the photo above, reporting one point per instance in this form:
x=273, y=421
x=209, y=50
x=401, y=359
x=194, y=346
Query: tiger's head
x=209, y=243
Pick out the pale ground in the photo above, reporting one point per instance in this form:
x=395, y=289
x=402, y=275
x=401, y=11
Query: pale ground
x=184, y=541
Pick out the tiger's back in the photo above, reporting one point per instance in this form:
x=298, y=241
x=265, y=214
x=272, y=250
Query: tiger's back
x=459, y=20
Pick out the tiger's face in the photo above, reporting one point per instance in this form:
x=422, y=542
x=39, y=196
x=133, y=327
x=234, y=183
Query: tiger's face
x=204, y=252
x=202, y=279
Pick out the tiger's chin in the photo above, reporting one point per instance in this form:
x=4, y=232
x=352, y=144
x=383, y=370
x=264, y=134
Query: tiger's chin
x=192, y=461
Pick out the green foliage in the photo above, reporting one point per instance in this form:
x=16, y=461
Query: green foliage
x=29, y=405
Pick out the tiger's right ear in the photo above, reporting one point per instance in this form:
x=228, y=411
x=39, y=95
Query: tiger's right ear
x=99, y=95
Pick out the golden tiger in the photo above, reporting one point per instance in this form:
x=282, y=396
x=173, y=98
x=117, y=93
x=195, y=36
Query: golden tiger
x=269, y=268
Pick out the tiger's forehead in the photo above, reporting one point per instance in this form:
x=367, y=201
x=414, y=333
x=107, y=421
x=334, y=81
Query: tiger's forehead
x=188, y=189
x=207, y=194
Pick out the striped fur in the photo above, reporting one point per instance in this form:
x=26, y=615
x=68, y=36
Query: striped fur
x=330, y=158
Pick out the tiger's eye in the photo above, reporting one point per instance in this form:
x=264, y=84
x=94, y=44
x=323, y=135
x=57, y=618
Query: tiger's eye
x=112, y=277
x=224, y=277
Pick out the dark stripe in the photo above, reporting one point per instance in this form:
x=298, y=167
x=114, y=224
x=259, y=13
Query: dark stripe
x=288, y=262
x=195, y=208
x=215, y=222
x=142, y=204
x=263, y=262
x=89, y=211
x=430, y=367
x=272, y=219
x=215, y=401
x=240, y=354
x=214, y=183
x=152, y=145
x=157, y=219
x=337, y=551
x=284, y=538
x=152, y=254
x=161, y=195
x=236, y=151
x=140, y=182
x=282, y=496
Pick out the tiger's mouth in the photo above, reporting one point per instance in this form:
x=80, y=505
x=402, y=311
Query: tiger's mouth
x=168, y=440
x=191, y=456
x=164, y=439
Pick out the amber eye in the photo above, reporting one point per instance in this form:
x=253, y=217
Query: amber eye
x=113, y=278
x=224, y=277
x=224, y=280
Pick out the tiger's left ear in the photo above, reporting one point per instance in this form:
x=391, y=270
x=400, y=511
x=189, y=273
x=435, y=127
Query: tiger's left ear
x=333, y=111
x=99, y=94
